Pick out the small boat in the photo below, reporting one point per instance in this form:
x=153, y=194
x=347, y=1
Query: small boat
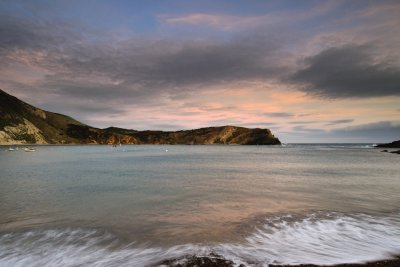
x=29, y=149
x=11, y=149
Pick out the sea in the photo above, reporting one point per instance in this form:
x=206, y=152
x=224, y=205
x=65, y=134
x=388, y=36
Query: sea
x=140, y=205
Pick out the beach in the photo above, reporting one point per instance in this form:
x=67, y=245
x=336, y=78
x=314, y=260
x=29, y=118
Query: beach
x=217, y=262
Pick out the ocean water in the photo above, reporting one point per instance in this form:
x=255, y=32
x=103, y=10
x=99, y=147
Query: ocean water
x=253, y=205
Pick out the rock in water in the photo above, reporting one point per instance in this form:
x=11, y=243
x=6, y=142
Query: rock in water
x=394, y=144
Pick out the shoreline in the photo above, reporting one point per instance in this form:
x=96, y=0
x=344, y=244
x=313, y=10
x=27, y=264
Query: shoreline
x=214, y=260
x=379, y=263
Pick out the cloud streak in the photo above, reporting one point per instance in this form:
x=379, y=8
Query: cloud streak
x=225, y=22
x=279, y=114
x=337, y=122
x=239, y=22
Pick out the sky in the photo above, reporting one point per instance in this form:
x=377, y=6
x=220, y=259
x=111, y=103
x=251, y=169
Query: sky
x=311, y=71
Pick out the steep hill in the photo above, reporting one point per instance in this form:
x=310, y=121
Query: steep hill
x=21, y=123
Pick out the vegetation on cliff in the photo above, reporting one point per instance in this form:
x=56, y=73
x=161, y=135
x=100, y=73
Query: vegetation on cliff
x=21, y=123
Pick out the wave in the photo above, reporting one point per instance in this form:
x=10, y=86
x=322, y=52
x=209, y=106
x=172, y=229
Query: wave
x=329, y=238
x=318, y=238
x=334, y=145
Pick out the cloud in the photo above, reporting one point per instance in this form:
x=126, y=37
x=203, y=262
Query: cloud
x=303, y=122
x=84, y=64
x=87, y=75
x=239, y=22
x=376, y=132
x=303, y=129
x=226, y=22
x=336, y=122
x=349, y=71
x=278, y=114
x=380, y=131
x=327, y=123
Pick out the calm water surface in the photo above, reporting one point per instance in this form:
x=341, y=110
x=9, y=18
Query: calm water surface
x=138, y=205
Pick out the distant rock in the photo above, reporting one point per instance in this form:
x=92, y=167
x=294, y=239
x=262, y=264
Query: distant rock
x=21, y=123
x=394, y=144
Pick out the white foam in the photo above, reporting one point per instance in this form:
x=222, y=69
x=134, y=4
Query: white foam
x=332, y=240
x=78, y=247
x=317, y=239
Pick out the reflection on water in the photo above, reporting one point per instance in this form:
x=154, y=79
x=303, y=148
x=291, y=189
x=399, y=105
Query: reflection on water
x=204, y=189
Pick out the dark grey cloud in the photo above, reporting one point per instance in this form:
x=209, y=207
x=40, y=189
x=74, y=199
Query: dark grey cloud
x=85, y=64
x=200, y=62
x=387, y=130
x=37, y=35
x=19, y=34
x=377, y=132
x=278, y=114
x=91, y=74
x=349, y=71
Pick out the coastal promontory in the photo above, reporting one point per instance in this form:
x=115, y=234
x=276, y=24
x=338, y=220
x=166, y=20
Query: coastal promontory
x=21, y=123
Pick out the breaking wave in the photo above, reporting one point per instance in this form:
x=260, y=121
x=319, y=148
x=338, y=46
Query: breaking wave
x=318, y=238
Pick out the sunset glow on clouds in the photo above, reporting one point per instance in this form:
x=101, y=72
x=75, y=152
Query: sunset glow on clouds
x=312, y=71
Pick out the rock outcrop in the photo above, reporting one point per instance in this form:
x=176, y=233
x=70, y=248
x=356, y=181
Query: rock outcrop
x=394, y=144
x=21, y=123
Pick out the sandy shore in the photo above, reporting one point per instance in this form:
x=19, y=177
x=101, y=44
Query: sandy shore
x=216, y=261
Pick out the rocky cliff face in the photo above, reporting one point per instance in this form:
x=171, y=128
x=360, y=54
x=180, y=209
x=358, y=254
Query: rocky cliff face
x=21, y=123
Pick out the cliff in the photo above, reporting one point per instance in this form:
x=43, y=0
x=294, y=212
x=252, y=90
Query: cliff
x=21, y=123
